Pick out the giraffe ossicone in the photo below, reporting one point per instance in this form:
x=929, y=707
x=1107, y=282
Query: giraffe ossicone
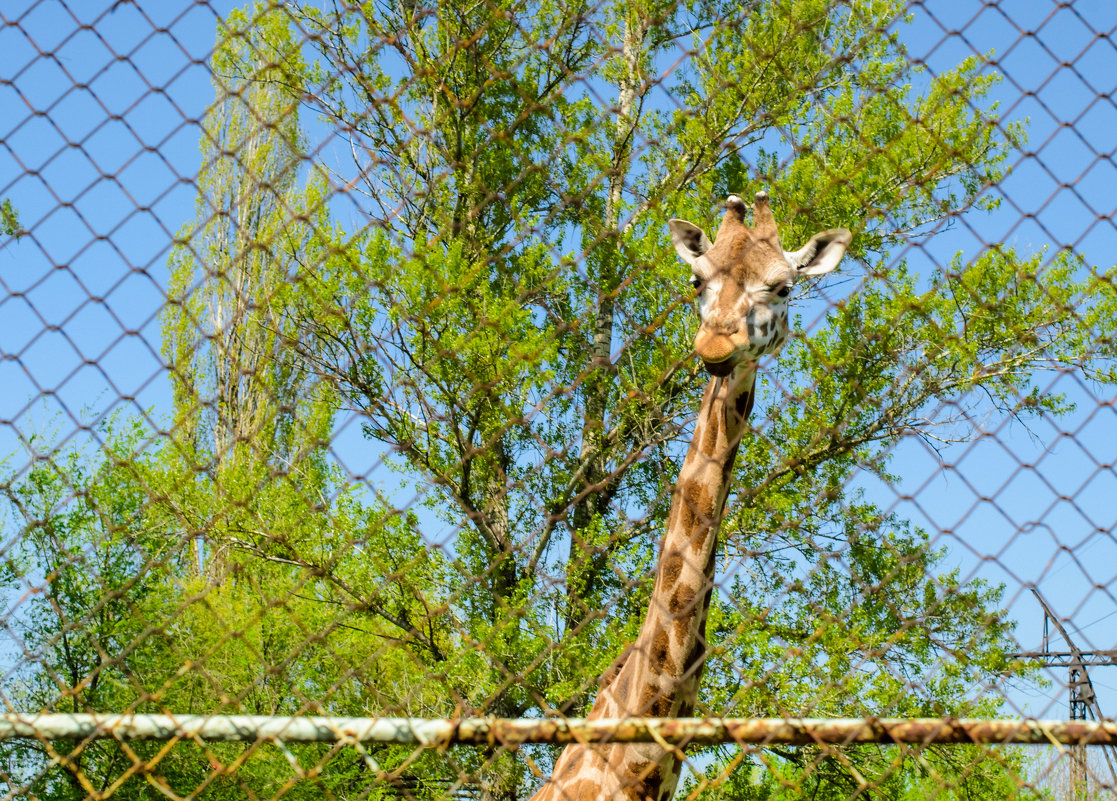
x=743, y=281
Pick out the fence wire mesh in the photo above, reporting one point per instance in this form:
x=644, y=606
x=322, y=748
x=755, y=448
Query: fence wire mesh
x=359, y=374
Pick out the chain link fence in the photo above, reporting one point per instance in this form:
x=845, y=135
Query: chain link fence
x=365, y=435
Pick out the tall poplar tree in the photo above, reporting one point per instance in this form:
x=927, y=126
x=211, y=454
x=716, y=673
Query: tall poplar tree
x=235, y=383
x=245, y=410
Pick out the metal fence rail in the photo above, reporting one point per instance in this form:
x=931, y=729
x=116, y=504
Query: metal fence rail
x=561, y=399
x=510, y=733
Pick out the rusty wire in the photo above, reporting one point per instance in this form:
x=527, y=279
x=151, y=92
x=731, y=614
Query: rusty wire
x=347, y=374
x=511, y=733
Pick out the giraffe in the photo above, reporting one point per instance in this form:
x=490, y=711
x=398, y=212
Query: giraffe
x=742, y=281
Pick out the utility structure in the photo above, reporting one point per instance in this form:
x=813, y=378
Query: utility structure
x=1083, y=701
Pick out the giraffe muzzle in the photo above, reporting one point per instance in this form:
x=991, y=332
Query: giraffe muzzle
x=719, y=349
x=720, y=369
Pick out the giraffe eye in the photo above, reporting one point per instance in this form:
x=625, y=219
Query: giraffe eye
x=696, y=282
x=784, y=291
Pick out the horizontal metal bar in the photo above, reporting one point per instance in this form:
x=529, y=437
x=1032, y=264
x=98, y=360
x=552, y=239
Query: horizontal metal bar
x=1064, y=658
x=489, y=731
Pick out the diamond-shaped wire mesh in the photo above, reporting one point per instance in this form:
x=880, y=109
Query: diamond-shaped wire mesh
x=385, y=387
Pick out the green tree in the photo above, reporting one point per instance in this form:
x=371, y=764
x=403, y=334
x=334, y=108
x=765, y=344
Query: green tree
x=304, y=586
x=241, y=402
x=112, y=616
x=305, y=579
x=511, y=325
x=94, y=582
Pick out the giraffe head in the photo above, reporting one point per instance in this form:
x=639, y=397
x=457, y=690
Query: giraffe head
x=744, y=278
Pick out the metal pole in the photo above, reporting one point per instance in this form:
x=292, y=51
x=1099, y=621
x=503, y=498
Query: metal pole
x=1082, y=697
x=1079, y=787
x=425, y=732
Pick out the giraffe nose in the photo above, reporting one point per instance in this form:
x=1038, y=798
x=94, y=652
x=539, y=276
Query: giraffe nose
x=724, y=324
x=713, y=346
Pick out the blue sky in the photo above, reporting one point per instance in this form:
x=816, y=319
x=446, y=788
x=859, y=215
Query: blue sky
x=1035, y=506
x=99, y=146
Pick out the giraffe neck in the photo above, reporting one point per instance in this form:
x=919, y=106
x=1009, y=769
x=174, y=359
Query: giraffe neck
x=666, y=660
x=658, y=675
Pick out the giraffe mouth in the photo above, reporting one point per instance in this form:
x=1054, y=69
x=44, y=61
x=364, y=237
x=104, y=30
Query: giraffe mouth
x=720, y=369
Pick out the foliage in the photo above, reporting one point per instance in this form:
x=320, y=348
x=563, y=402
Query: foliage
x=119, y=618
x=223, y=329
x=9, y=219
x=958, y=773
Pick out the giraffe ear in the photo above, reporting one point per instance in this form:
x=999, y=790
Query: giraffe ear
x=822, y=253
x=689, y=240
